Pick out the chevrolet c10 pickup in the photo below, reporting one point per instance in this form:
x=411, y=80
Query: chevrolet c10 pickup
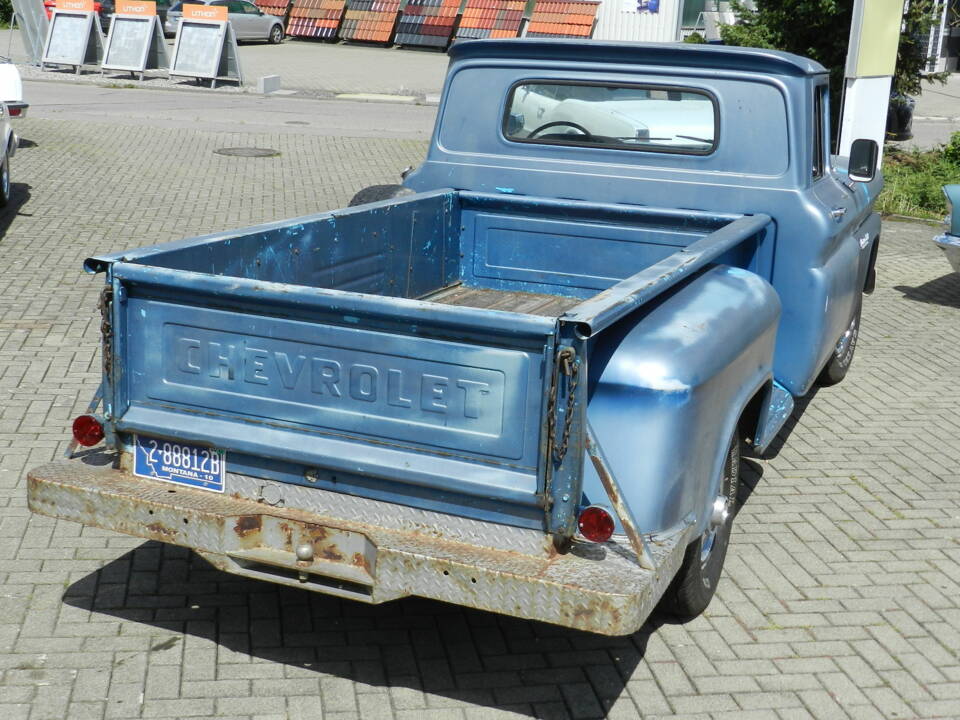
x=522, y=380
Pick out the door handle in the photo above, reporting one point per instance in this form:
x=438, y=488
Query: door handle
x=838, y=212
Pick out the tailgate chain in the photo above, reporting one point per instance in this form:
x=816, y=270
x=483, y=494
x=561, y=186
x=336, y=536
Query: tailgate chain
x=106, y=329
x=568, y=365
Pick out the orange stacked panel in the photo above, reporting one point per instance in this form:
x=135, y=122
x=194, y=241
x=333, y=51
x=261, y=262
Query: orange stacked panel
x=573, y=18
x=273, y=7
x=370, y=20
x=491, y=18
x=427, y=22
x=315, y=18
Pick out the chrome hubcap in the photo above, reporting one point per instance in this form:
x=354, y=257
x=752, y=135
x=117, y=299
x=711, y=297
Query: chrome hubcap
x=718, y=516
x=843, y=344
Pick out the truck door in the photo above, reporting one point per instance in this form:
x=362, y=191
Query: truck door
x=841, y=257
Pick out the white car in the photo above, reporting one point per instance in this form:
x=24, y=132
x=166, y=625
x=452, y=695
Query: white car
x=13, y=106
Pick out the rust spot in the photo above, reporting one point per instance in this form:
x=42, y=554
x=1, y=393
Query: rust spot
x=330, y=553
x=287, y=535
x=248, y=525
x=360, y=560
x=161, y=531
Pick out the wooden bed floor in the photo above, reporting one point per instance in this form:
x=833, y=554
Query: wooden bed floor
x=520, y=302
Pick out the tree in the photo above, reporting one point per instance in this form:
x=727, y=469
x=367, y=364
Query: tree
x=817, y=29
x=918, y=18
x=820, y=30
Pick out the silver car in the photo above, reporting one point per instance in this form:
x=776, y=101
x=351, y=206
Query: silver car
x=248, y=21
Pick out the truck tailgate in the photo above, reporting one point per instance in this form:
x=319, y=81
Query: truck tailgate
x=388, y=398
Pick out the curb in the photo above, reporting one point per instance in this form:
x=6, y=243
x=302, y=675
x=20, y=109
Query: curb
x=29, y=74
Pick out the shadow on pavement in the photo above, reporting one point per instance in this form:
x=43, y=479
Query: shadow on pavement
x=941, y=291
x=19, y=196
x=465, y=655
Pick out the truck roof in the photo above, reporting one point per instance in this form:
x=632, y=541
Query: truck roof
x=674, y=54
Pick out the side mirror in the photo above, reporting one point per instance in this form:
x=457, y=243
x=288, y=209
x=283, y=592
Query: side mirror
x=862, y=166
x=952, y=193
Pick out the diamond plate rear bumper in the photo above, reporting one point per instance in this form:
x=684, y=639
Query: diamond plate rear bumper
x=371, y=551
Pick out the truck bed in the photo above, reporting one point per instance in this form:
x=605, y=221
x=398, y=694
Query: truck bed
x=401, y=351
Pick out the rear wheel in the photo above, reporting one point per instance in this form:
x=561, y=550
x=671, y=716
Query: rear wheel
x=842, y=357
x=695, y=583
x=276, y=35
x=5, y=180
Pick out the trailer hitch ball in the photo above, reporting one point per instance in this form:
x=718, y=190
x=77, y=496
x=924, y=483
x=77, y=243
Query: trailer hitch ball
x=304, y=552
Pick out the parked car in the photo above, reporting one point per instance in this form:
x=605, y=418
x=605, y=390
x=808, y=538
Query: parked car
x=11, y=106
x=949, y=242
x=248, y=21
x=103, y=8
x=11, y=90
x=522, y=380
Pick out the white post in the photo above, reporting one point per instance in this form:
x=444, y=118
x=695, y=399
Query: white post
x=871, y=59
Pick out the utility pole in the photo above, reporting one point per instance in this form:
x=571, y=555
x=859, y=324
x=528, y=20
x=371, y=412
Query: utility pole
x=871, y=59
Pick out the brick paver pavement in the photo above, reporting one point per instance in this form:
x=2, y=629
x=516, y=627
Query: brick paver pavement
x=840, y=595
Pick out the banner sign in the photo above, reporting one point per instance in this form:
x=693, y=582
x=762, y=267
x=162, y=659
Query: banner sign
x=217, y=13
x=143, y=8
x=75, y=5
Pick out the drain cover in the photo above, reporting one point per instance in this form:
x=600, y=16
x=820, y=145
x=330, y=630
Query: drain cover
x=248, y=152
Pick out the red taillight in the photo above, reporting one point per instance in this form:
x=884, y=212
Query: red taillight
x=596, y=524
x=14, y=111
x=87, y=430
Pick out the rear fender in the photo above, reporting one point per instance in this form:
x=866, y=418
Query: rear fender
x=671, y=382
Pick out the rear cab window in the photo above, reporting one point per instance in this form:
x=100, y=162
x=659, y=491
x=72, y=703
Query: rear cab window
x=624, y=117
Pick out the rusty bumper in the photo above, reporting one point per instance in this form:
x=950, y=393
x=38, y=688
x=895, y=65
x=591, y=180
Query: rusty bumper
x=364, y=549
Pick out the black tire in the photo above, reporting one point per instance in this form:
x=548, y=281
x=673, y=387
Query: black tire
x=376, y=193
x=5, y=180
x=276, y=35
x=842, y=356
x=695, y=583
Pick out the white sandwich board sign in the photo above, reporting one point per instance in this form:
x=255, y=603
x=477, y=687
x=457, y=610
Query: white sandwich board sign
x=74, y=36
x=135, y=42
x=206, y=47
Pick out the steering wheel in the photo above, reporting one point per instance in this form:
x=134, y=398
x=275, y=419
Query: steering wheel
x=557, y=123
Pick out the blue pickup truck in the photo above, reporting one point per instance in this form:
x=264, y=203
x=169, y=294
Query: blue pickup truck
x=522, y=380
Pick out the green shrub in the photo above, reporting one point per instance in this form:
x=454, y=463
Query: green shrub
x=951, y=151
x=913, y=178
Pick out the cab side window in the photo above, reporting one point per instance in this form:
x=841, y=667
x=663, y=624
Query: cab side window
x=818, y=133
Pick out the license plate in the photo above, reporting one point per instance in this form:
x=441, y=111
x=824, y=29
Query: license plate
x=180, y=463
